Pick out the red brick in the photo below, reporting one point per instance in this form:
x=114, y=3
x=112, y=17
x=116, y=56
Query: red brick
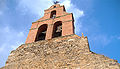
x=61, y=15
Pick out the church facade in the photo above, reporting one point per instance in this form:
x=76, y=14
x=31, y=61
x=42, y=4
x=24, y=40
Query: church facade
x=52, y=44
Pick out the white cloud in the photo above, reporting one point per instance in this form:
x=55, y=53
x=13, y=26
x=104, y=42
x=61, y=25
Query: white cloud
x=35, y=7
x=73, y=9
x=67, y=4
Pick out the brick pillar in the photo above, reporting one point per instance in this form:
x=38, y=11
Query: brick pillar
x=67, y=28
x=49, y=32
x=31, y=36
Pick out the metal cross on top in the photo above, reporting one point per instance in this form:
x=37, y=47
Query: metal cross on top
x=56, y=2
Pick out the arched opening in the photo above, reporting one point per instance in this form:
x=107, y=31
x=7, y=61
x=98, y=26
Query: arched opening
x=41, y=34
x=54, y=6
x=64, y=9
x=57, y=29
x=53, y=14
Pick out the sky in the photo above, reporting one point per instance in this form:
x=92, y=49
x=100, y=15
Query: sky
x=99, y=20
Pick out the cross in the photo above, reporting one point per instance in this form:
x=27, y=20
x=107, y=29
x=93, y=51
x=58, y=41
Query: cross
x=56, y=2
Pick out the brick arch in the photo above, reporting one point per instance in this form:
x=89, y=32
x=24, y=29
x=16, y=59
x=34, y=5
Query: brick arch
x=57, y=29
x=41, y=33
x=53, y=14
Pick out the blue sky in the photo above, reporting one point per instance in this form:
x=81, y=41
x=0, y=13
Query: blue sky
x=99, y=20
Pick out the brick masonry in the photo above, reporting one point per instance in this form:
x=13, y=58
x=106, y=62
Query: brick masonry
x=61, y=15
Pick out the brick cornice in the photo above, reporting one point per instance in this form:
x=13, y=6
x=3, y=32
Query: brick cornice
x=52, y=24
x=67, y=21
x=51, y=18
x=33, y=28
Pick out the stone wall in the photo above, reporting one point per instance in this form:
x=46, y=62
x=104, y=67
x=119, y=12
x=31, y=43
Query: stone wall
x=68, y=52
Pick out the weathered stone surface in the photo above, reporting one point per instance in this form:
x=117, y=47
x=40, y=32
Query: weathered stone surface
x=68, y=52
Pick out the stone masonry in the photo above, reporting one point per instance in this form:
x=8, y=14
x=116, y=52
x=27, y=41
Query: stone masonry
x=66, y=52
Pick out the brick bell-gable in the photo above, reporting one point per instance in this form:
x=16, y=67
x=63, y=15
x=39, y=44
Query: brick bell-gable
x=56, y=22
